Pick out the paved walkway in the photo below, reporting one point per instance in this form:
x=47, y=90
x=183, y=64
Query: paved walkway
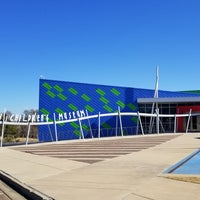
x=135, y=175
x=91, y=151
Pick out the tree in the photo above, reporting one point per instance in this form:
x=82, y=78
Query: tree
x=15, y=132
x=10, y=132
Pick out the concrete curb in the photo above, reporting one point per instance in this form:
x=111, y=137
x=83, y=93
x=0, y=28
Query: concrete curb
x=23, y=189
x=8, y=193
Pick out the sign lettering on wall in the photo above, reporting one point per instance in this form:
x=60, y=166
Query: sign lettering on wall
x=43, y=117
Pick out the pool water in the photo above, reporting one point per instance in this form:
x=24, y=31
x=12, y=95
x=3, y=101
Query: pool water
x=189, y=165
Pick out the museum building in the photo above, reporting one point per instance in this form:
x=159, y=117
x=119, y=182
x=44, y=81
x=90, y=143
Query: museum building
x=63, y=100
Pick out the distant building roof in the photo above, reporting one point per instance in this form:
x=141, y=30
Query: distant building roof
x=169, y=100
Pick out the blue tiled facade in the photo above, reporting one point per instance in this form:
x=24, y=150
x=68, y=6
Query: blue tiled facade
x=79, y=99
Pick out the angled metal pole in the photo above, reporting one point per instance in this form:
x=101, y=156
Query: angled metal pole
x=188, y=122
x=120, y=122
x=50, y=133
x=91, y=133
x=89, y=126
x=28, y=133
x=163, y=130
x=157, y=80
x=81, y=130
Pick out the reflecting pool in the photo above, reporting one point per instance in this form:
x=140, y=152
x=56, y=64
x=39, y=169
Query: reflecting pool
x=189, y=165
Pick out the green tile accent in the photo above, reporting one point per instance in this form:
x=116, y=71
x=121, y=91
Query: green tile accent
x=73, y=107
x=89, y=108
x=73, y=91
x=134, y=119
x=101, y=92
x=132, y=106
x=46, y=85
x=115, y=92
x=61, y=96
x=104, y=100
x=108, y=108
x=74, y=124
x=58, y=88
x=85, y=97
x=61, y=124
x=51, y=94
x=77, y=132
x=105, y=125
x=44, y=111
x=120, y=103
x=85, y=127
x=58, y=110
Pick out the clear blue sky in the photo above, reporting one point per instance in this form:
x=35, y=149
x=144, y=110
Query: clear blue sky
x=112, y=42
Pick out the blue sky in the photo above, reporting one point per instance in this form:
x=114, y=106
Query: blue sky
x=112, y=42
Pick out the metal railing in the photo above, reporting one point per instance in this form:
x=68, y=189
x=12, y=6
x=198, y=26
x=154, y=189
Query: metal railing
x=98, y=116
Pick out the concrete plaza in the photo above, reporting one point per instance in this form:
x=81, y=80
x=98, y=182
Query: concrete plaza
x=133, y=175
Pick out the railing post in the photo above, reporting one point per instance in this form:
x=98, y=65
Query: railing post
x=3, y=126
x=55, y=127
x=99, y=125
x=157, y=120
x=116, y=127
x=140, y=121
x=175, y=123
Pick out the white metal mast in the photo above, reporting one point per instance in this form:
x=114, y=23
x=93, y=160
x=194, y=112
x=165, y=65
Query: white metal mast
x=153, y=105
